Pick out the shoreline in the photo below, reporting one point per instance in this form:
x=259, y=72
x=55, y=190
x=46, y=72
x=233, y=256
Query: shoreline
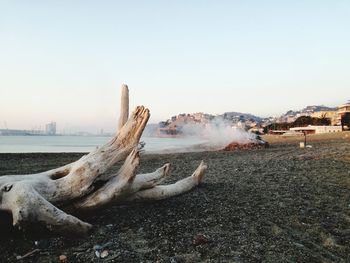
x=271, y=139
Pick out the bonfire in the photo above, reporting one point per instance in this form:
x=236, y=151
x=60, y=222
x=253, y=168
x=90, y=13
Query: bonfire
x=254, y=143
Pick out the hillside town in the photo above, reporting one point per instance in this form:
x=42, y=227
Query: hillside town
x=312, y=119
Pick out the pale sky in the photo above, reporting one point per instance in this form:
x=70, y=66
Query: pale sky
x=65, y=60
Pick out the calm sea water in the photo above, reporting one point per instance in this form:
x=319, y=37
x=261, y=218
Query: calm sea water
x=26, y=144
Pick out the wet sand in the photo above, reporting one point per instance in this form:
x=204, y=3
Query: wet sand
x=281, y=204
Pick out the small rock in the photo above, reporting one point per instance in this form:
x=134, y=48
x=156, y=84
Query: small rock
x=276, y=230
x=200, y=240
x=104, y=254
x=62, y=258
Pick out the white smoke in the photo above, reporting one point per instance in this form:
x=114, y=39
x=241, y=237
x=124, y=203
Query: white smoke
x=218, y=133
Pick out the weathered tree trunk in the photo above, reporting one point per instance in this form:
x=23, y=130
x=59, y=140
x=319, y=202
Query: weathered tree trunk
x=124, y=106
x=83, y=185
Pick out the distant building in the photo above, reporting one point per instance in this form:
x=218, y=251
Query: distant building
x=342, y=110
x=50, y=128
x=311, y=129
x=12, y=132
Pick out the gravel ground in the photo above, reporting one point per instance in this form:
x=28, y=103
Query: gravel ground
x=281, y=204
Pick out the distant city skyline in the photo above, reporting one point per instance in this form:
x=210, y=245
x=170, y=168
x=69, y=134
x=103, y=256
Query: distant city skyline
x=65, y=61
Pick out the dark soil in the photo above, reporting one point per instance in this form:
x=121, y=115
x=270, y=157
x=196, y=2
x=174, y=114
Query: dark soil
x=281, y=204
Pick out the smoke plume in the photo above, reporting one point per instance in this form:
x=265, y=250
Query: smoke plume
x=218, y=133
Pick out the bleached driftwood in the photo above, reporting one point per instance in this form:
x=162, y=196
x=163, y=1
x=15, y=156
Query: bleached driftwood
x=124, y=105
x=83, y=185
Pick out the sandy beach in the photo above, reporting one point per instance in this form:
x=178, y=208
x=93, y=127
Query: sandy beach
x=281, y=204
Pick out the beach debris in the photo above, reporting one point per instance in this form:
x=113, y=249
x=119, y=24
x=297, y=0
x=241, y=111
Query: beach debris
x=142, y=145
x=103, y=246
x=62, y=258
x=97, y=247
x=28, y=254
x=101, y=251
x=303, y=145
x=83, y=185
x=104, y=254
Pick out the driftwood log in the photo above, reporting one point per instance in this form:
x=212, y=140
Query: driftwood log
x=47, y=198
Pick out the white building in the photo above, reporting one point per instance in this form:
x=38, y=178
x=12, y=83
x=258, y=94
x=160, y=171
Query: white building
x=311, y=129
x=342, y=110
x=50, y=128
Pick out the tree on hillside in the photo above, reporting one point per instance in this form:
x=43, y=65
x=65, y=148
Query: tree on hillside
x=304, y=121
x=324, y=120
x=277, y=126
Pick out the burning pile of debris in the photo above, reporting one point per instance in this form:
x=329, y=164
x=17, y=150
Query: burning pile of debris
x=257, y=143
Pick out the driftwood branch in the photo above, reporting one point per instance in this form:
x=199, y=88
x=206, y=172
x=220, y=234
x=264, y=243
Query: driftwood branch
x=83, y=185
x=124, y=106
